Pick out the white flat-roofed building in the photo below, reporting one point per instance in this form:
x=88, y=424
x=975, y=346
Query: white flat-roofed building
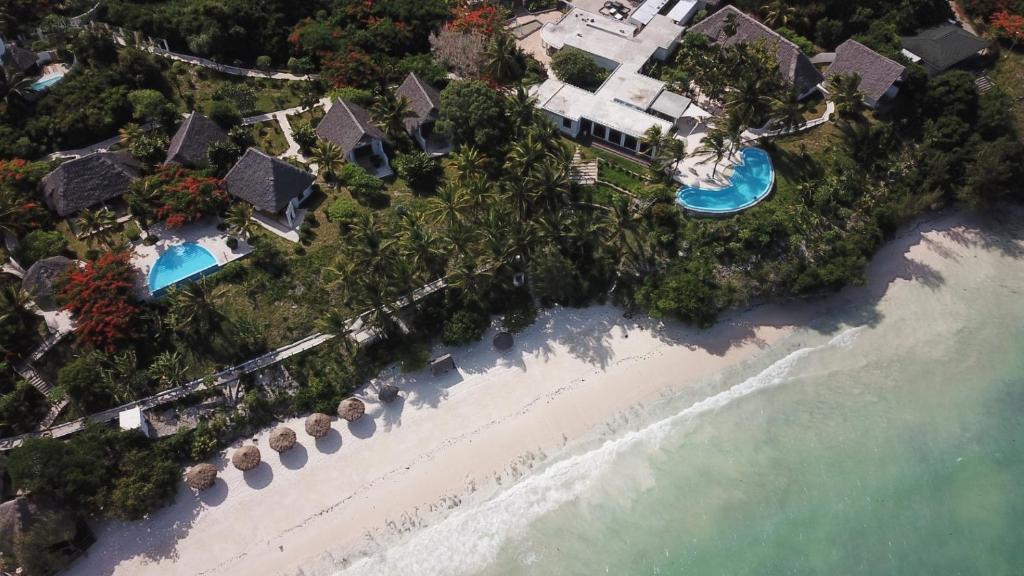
x=628, y=102
x=684, y=11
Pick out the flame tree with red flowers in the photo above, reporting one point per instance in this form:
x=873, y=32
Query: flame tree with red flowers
x=1009, y=26
x=99, y=296
x=177, y=195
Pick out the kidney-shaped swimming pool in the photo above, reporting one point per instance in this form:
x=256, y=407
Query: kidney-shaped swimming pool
x=178, y=263
x=751, y=181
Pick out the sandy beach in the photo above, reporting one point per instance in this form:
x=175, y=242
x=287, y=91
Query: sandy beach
x=573, y=374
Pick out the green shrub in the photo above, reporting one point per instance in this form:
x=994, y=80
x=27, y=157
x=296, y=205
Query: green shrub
x=224, y=113
x=40, y=244
x=263, y=62
x=520, y=318
x=132, y=234
x=576, y=67
x=343, y=210
x=353, y=95
x=464, y=327
x=418, y=169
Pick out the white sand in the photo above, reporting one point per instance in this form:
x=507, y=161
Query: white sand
x=402, y=465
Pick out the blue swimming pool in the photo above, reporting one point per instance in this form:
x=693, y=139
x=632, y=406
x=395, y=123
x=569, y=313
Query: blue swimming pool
x=44, y=83
x=181, y=262
x=751, y=181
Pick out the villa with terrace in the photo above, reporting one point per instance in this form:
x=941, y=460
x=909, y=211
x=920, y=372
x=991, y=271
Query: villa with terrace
x=943, y=47
x=730, y=26
x=191, y=142
x=349, y=126
x=275, y=188
x=627, y=103
x=425, y=102
x=879, y=76
x=93, y=181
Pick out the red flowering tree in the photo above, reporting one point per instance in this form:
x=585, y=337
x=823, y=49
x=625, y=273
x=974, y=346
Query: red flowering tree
x=99, y=296
x=1009, y=26
x=177, y=196
x=483, y=20
x=353, y=68
x=21, y=174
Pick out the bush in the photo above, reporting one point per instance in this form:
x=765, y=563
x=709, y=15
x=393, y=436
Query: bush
x=304, y=135
x=354, y=95
x=224, y=113
x=151, y=239
x=151, y=106
x=149, y=148
x=263, y=62
x=804, y=44
x=343, y=210
x=520, y=318
x=132, y=234
x=576, y=67
x=300, y=65
x=464, y=327
x=418, y=169
x=40, y=244
x=242, y=96
x=364, y=187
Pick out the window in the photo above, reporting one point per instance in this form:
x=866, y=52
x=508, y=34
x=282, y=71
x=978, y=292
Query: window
x=614, y=136
x=599, y=130
x=566, y=123
x=631, y=142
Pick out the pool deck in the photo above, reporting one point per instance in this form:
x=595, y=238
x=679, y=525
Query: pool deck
x=203, y=233
x=722, y=180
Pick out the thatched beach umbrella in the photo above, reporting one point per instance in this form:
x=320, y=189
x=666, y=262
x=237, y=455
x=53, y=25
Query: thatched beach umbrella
x=201, y=476
x=388, y=393
x=246, y=458
x=503, y=341
x=351, y=409
x=282, y=438
x=318, y=425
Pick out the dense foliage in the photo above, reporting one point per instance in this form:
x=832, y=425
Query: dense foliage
x=99, y=296
x=176, y=195
x=577, y=68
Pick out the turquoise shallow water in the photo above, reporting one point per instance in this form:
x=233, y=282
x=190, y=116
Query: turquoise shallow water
x=179, y=263
x=895, y=446
x=751, y=181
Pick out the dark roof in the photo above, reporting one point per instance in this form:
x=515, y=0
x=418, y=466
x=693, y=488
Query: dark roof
x=877, y=73
x=423, y=99
x=19, y=58
x=266, y=182
x=193, y=138
x=943, y=47
x=89, y=180
x=794, y=65
x=41, y=280
x=347, y=124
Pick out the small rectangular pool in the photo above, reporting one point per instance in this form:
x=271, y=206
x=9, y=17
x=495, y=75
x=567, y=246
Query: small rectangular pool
x=46, y=82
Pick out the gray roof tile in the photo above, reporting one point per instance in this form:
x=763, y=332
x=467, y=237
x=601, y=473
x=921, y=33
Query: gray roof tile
x=347, y=124
x=877, y=73
x=189, y=145
x=266, y=182
x=943, y=47
x=424, y=100
x=89, y=180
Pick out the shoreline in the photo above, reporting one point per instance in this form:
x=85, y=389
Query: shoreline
x=401, y=466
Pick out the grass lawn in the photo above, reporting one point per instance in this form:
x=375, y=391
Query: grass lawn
x=269, y=137
x=122, y=235
x=615, y=169
x=195, y=87
x=312, y=116
x=1008, y=73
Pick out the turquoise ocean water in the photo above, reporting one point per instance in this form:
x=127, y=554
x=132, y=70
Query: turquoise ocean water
x=894, y=447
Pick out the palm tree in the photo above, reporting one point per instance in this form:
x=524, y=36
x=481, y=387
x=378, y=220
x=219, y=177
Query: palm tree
x=525, y=154
x=12, y=213
x=502, y=59
x=846, y=94
x=450, y=206
x=14, y=85
x=550, y=181
x=390, y=113
x=715, y=145
x=130, y=134
x=522, y=109
x=750, y=99
x=328, y=158
x=788, y=110
x=97, y=226
x=651, y=139
x=777, y=13
x=240, y=221
x=194, y=307
x=468, y=163
x=670, y=152
x=169, y=368
x=420, y=245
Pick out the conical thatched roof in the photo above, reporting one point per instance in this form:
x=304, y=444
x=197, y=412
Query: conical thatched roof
x=42, y=278
x=282, y=438
x=503, y=341
x=351, y=409
x=246, y=458
x=388, y=393
x=201, y=476
x=318, y=425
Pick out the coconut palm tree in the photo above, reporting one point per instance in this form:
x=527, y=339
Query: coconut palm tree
x=130, y=133
x=525, y=154
x=420, y=245
x=550, y=181
x=169, y=368
x=670, y=152
x=97, y=226
x=12, y=213
x=468, y=163
x=193, y=307
x=522, y=109
x=502, y=59
x=450, y=206
x=390, y=113
x=14, y=87
x=714, y=145
x=788, y=110
x=240, y=221
x=651, y=139
x=777, y=13
x=846, y=94
x=328, y=158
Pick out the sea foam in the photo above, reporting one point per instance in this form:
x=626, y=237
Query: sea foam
x=470, y=539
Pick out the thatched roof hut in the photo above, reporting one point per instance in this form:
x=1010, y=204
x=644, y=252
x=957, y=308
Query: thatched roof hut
x=246, y=458
x=503, y=341
x=351, y=409
x=388, y=393
x=282, y=438
x=42, y=279
x=318, y=425
x=201, y=476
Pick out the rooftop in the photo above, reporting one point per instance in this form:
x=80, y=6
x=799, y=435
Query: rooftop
x=943, y=47
x=877, y=73
x=267, y=183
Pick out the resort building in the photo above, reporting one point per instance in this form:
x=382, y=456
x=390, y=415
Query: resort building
x=273, y=187
x=349, y=126
x=879, y=76
x=425, y=102
x=940, y=48
x=730, y=26
x=41, y=281
x=20, y=60
x=191, y=142
x=627, y=103
x=89, y=182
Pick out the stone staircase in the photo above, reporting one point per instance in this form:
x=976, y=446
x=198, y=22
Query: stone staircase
x=983, y=84
x=28, y=372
